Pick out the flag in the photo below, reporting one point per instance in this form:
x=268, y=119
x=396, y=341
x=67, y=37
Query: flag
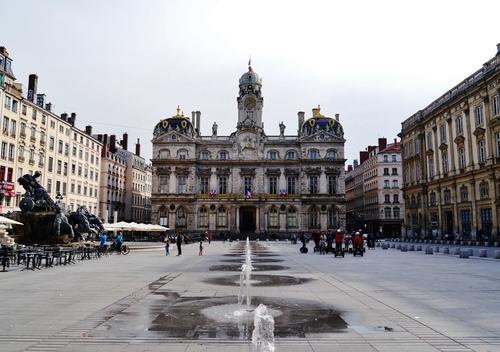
x=250, y=62
x=248, y=194
x=213, y=192
x=282, y=192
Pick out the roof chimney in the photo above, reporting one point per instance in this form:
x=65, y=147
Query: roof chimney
x=198, y=117
x=64, y=116
x=382, y=144
x=363, y=156
x=300, y=117
x=4, y=51
x=125, y=141
x=88, y=130
x=72, y=119
x=48, y=107
x=32, y=85
x=40, y=100
x=104, y=150
x=112, y=143
x=138, y=148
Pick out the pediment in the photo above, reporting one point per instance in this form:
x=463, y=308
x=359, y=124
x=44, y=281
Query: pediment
x=173, y=137
x=322, y=136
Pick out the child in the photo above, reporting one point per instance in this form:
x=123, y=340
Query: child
x=201, y=248
x=167, y=245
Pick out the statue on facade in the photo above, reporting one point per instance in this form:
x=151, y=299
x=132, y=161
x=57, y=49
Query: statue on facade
x=282, y=128
x=214, y=129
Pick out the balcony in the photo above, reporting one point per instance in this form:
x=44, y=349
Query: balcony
x=31, y=162
x=40, y=164
x=42, y=142
x=22, y=135
x=20, y=159
x=33, y=139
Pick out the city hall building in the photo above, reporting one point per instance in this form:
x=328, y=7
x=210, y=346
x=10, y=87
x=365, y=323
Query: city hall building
x=249, y=183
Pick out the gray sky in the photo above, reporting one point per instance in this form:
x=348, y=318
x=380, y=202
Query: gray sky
x=124, y=65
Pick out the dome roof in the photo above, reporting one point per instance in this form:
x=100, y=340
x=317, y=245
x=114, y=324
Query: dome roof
x=177, y=123
x=250, y=77
x=319, y=122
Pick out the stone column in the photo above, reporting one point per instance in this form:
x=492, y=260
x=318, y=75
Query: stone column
x=237, y=229
x=257, y=219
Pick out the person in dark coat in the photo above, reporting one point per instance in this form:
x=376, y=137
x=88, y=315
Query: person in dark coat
x=179, y=241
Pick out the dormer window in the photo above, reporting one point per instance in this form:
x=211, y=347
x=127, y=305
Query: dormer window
x=182, y=155
x=222, y=155
x=291, y=155
x=272, y=155
x=313, y=154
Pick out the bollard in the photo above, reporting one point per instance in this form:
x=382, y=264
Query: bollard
x=393, y=245
x=464, y=253
x=483, y=253
x=497, y=255
x=446, y=250
x=471, y=253
x=478, y=243
x=456, y=251
x=385, y=246
x=377, y=244
x=404, y=248
x=436, y=249
x=398, y=246
x=419, y=248
x=411, y=248
x=428, y=250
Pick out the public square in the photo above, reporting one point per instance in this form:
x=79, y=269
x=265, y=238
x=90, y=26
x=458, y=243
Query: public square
x=387, y=300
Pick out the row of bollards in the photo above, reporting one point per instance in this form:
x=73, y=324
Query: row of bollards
x=461, y=252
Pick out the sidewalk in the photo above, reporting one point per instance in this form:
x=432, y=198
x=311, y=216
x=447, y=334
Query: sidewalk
x=389, y=300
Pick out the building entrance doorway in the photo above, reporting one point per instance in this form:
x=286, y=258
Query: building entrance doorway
x=247, y=219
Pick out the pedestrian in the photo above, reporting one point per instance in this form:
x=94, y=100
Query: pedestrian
x=179, y=240
x=167, y=245
x=209, y=238
x=201, y=248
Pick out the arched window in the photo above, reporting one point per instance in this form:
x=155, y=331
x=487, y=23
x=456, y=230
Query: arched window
x=163, y=216
x=387, y=212
x=221, y=217
x=313, y=217
x=291, y=218
x=181, y=217
x=332, y=217
x=273, y=217
x=203, y=217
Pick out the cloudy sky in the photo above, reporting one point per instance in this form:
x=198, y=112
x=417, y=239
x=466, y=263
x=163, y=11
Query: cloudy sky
x=124, y=65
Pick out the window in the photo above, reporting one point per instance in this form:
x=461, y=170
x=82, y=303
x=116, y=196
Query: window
x=221, y=217
x=387, y=198
x=429, y=140
x=387, y=213
x=59, y=167
x=15, y=105
x=386, y=158
x=290, y=155
x=7, y=104
x=182, y=155
x=461, y=153
x=313, y=185
x=66, y=149
x=395, y=184
x=273, y=185
x=33, y=135
x=49, y=185
x=73, y=169
x=33, y=115
x=396, y=213
x=394, y=171
x=313, y=154
x=331, y=154
x=247, y=183
x=74, y=151
x=163, y=184
x=395, y=198
x=445, y=163
x=79, y=171
x=272, y=155
x=496, y=107
x=22, y=129
x=4, y=151
x=464, y=194
x=65, y=169
x=459, y=125
x=386, y=171
x=60, y=147
x=332, y=184
x=291, y=218
x=181, y=217
x=482, y=153
x=291, y=182
x=313, y=217
x=204, y=185
x=485, y=192
x=5, y=127
x=51, y=143
x=182, y=185
x=332, y=217
x=24, y=109
x=443, y=134
x=13, y=128
x=163, y=216
x=222, y=185
x=223, y=155
x=203, y=217
x=431, y=167
x=479, y=115
x=386, y=184
x=204, y=155
x=394, y=158
x=273, y=217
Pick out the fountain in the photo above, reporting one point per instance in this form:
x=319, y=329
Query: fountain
x=246, y=272
x=263, y=332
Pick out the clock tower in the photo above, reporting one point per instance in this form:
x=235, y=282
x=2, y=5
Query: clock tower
x=250, y=101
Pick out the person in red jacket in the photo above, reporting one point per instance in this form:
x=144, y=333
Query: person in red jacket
x=339, y=238
x=357, y=242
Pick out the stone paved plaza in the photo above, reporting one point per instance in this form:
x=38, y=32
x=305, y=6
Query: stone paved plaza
x=387, y=300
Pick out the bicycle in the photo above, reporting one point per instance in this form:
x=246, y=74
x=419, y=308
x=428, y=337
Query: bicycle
x=124, y=249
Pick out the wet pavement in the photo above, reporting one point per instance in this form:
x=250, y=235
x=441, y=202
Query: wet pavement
x=387, y=300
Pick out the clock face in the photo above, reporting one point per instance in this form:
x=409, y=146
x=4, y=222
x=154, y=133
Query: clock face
x=249, y=103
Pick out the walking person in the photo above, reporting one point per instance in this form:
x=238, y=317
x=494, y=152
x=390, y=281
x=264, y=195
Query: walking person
x=201, y=248
x=179, y=241
x=167, y=245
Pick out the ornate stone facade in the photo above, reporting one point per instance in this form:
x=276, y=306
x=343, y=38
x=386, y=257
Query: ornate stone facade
x=249, y=183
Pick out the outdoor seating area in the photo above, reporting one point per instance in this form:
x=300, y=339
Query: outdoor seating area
x=42, y=257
